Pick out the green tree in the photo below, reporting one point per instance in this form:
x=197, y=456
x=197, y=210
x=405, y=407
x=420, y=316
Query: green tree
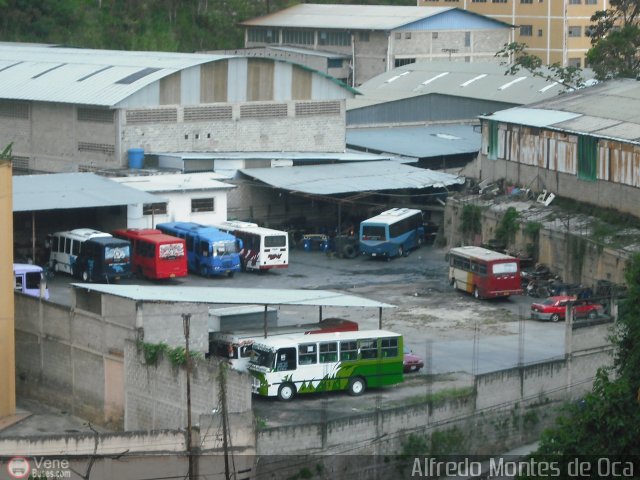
x=607, y=420
x=615, y=39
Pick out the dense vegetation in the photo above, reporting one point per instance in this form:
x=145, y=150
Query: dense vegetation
x=163, y=25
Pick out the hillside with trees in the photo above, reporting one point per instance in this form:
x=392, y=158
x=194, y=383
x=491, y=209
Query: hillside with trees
x=162, y=25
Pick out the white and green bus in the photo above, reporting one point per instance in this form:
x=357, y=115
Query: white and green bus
x=285, y=365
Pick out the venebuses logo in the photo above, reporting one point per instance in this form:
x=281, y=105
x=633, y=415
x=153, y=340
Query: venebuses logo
x=18, y=467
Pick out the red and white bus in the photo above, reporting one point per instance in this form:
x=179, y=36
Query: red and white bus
x=262, y=248
x=484, y=273
x=155, y=255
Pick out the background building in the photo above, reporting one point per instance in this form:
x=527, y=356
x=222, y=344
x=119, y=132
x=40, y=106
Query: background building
x=554, y=30
x=68, y=109
x=362, y=41
x=583, y=145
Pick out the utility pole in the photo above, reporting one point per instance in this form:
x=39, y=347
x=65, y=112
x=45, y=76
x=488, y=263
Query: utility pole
x=225, y=421
x=186, y=319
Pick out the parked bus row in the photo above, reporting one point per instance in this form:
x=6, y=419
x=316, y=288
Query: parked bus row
x=169, y=251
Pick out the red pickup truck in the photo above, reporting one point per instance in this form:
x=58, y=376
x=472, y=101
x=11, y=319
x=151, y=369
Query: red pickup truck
x=555, y=308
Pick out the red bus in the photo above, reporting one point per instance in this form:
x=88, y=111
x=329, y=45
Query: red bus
x=484, y=273
x=155, y=255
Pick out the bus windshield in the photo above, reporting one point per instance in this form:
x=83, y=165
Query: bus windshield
x=262, y=358
x=224, y=248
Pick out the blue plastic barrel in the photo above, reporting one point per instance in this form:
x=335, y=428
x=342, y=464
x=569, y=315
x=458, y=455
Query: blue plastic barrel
x=136, y=157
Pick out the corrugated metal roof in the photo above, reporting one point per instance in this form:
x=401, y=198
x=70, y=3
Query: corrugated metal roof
x=239, y=296
x=533, y=117
x=480, y=80
x=352, y=177
x=175, y=182
x=307, y=51
x=609, y=110
x=419, y=141
x=72, y=190
x=300, y=156
x=84, y=76
x=352, y=17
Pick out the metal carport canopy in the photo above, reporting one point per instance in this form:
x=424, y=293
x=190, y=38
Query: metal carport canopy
x=73, y=190
x=352, y=177
x=239, y=296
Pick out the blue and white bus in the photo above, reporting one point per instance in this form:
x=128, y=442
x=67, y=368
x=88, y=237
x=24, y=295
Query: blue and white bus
x=392, y=233
x=210, y=251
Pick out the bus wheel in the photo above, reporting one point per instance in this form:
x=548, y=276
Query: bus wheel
x=85, y=276
x=476, y=292
x=286, y=392
x=356, y=386
x=349, y=251
x=400, y=251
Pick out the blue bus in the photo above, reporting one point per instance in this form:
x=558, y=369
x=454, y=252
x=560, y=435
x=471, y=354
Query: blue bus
x=392, y=233
x=209, y=251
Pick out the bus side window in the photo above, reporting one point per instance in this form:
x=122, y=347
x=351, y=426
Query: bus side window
x=55, y=244
x=204, y=249
x=286, y=359
x=328, y=352
x=348, y=350
x=75, y=248
x=307, y=354
x=67, y=245
x=389, y=347
x=368, y=348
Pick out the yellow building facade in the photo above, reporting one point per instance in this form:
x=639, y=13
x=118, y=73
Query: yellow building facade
x=554, y=30
x=7, y=343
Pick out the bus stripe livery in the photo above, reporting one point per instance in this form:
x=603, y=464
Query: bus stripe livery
x=392, y=233
x=155, y=255
x=286, y=365
x=484, y=273
x=210, y=251
x=262, y=248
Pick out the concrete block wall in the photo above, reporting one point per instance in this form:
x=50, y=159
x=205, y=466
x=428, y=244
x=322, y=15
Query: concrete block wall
x=162, y=323
x=155, y=395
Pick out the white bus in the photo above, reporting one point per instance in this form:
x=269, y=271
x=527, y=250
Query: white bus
x=285, y=365
x=262, y=248
x=235, y=347
x=65, y=247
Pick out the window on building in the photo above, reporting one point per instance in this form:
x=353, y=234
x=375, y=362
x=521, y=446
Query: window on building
x=587, y=157
x=526, y=1
x=334, y=63
x=540, y=32
x=467, y=39
x=434, y=35
x=154, y=208
x=526, y=30
x=398, y=36
x=404, y=61
x=202, y=205
x=575, y=31
x=334, y=38
x=298, y=37
x=575, y=2
x=262, y=35
x=363, y=36
x=407, y=35
x=590, y=2
x=574, y=62
x=478, y=1
x=498, y=1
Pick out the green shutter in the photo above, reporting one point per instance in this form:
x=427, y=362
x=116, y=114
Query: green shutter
x=493, y=140
x=587, y=157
